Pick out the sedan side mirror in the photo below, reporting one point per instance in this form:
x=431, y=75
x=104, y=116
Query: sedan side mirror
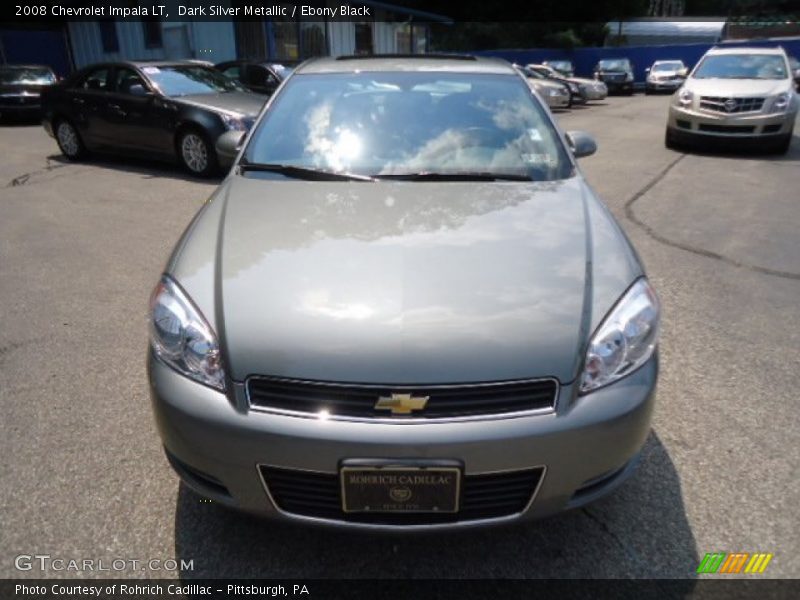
x=581, y=143
x=137, y=89
x=229, y=144
x=647, y=70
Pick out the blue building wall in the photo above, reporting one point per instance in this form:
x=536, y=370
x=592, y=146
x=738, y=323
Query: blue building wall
x=584, y=59
x=36, y=47
x=208, y=40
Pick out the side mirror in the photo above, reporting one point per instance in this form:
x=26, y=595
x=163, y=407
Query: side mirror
x=229, y=144
x=581, y=143
x=139, y=90
x=647, y=70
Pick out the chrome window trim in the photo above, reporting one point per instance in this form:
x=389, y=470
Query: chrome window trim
x=403, y=420
x=390, y=526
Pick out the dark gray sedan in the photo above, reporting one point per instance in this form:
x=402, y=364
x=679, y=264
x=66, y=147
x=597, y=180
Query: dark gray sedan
x=159, y=109
x=404, y=308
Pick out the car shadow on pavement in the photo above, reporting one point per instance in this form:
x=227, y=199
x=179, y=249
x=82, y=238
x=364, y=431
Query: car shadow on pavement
x=727, y=150
x=147, y=168
x=11, y=120
x=641, y=530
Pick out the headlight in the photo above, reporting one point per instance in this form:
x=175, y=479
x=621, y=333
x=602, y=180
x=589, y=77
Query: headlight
x=233, y=123
x=685, y=97
x=181, y=337
x=553, y=92
x=624, y=340
x=574, y=88
x=782, y=101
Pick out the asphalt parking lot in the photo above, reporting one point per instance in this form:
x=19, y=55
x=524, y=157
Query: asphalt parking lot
x=83, y=474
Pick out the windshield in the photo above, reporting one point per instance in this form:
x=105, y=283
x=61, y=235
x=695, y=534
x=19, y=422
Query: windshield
x=402, y=123
x=615, y=64
x=184, y=80
x=668, y=66
x=532, y=73
x=742, y=66
x=34, y=75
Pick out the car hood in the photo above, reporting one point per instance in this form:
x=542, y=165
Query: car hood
x=399, y=282
x=737, y=87
x=548, y=85
x=583, y=81
x=243, y=103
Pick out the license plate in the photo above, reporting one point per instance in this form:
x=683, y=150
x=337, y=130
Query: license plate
x=381, y=489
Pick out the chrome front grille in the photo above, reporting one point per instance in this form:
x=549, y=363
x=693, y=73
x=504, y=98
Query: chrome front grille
x=358, y=401
x=731, y=105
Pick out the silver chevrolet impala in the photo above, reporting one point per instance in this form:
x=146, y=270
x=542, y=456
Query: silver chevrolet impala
x=404, y=308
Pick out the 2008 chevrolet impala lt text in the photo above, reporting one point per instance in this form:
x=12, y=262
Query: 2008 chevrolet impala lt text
x=404, y=308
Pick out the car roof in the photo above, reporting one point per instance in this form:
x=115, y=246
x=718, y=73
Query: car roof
x=747, y=50
x=460, y=63
x=162, y=63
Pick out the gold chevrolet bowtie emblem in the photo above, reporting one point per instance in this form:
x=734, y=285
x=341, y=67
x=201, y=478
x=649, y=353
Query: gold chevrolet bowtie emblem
x=401, y=404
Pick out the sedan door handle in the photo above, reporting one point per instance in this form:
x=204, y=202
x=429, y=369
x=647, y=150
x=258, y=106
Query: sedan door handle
x=117, y=108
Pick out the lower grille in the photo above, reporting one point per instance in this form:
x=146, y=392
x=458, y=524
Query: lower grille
x=443, y=401
x=202, y=481
x=726, y=128
x=731, y=105
x=772, y=128
x=318, y=495
x=683, y=124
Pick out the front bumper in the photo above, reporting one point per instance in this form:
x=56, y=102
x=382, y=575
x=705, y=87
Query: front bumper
x=596, y=93
x=664, y=84
x=690, y=123
x=559, y=101
x=587, y=446
x=619, y=86
x=9, y=106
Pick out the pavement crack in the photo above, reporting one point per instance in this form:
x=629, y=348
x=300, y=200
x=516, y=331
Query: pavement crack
x=25, y=178
x=650, y=231
x=630, y=552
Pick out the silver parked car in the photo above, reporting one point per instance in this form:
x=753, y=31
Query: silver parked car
x=736, y=96
x=665, y=75
x=589, y=89
x=404, y=308
x=555, y=94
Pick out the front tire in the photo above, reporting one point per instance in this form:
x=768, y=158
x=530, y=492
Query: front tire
x=69, y=141
x=670, y=141
x=196, y=153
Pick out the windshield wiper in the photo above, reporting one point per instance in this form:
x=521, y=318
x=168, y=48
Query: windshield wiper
x=458, y=176
x=308, y=173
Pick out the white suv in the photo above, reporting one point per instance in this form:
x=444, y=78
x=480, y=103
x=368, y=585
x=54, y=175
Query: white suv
x=739, y=95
